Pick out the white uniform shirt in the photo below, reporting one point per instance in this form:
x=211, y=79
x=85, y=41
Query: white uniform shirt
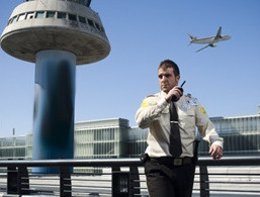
x=154, y=114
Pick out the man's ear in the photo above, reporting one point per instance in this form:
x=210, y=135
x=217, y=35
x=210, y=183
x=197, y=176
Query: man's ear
x=178, y=78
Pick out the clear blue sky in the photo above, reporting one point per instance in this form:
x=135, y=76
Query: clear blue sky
x=225, y=79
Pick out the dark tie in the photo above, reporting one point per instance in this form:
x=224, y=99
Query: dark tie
x=175, y=139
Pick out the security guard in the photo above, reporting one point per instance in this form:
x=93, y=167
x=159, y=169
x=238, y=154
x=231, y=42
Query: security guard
x=169, y=175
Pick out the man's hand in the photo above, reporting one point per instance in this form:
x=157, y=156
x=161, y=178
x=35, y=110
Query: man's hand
x=175, y=91
x=216, y=151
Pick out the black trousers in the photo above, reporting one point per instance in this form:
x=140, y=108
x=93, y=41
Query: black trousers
x=167, y=180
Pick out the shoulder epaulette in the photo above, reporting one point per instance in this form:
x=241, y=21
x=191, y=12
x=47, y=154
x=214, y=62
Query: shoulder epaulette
x=150, y=96
x=192, y=99
x=188, y=95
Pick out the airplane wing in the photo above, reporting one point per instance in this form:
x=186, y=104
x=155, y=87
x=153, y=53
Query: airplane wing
x=203, y=48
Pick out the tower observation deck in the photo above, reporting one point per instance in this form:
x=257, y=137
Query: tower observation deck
x=57, y=35
x=69, y=25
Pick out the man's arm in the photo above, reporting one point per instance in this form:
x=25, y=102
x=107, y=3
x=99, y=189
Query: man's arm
x=209, y=133
x=150, y=109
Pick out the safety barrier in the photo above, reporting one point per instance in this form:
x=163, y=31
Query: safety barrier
x=124, y=177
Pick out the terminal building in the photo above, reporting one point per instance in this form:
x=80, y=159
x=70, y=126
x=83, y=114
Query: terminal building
x=114, y=138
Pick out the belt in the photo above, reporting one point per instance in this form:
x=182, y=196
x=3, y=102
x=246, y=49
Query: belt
x=173, y=161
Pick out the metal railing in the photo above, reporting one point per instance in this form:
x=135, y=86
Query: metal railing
x=124, y=177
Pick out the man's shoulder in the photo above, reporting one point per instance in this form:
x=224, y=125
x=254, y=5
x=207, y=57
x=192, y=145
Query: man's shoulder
x=151, y=99
x=156, y=95
x=191, y=99
x=151, y=96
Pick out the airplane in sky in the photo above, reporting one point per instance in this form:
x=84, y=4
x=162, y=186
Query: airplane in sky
x=210, y=41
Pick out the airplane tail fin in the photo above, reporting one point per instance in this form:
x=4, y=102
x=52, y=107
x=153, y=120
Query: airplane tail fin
x=218, y=35
x=192, y=38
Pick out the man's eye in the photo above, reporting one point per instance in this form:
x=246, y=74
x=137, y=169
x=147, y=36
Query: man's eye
x=164, y=75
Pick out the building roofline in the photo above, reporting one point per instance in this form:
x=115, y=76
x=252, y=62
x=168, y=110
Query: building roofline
x=102, y=119
x=234, y=117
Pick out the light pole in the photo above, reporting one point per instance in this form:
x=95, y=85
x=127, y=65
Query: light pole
x=14, y=143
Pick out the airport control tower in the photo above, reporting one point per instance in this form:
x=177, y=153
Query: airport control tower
x=57, y=35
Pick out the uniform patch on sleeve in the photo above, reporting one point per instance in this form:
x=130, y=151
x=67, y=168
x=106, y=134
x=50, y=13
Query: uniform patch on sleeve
x=202, y=110
x=148, y=101
x=144, y=104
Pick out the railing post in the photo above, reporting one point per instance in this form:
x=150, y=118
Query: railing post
x=23, y=180
x=120, y=183
x=65, y=181
x=204, y=181
x=11, y=180
x=134, y=184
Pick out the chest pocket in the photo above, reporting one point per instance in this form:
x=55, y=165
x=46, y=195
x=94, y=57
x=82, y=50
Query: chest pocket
x=187, y=119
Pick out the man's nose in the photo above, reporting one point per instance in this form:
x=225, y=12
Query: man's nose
x=164, y=78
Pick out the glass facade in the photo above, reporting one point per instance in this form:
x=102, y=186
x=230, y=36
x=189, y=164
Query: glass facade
x=241, y=135
x=114, y=138
x=13, y=148
x=101, y=138
x=137, y=141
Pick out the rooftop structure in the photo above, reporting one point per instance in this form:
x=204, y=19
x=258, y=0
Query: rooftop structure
x=68, y=25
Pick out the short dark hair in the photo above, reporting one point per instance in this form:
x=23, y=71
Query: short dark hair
x=170, y=64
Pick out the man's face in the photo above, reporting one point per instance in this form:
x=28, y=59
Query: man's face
x=167, y=79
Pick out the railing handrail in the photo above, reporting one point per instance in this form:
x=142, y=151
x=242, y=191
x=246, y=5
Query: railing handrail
x=122, y=162
x=109, y=162
x=230, y=161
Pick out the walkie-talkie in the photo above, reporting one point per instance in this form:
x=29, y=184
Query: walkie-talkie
x=174, y=98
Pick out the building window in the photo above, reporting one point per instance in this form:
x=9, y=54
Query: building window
x=14, y=19
x=82, y=19
x=30, y=15
x=102, y=29
x=50, y=14
x=97, y=26
x=61, y=15
x=72, y=17
x=21, y=17
x=10, y=21
x=91, y=23
x=39, y=14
